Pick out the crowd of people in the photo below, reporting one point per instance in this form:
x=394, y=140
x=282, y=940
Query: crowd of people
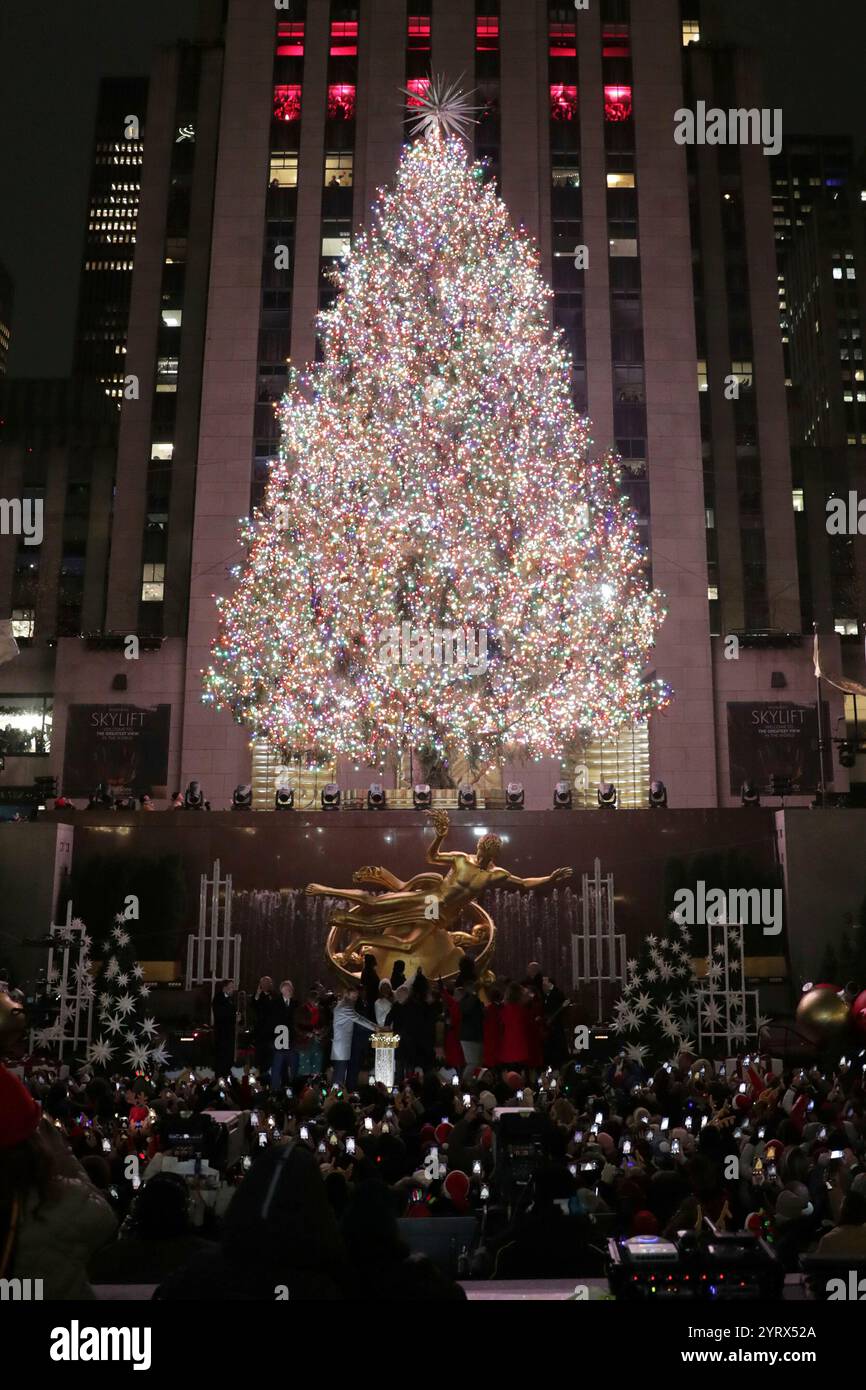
x=324, y=1182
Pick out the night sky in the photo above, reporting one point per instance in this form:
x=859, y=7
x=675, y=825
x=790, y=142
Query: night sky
x=53, y=52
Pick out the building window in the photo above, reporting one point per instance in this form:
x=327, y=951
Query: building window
x=419, y=31
x=25, y=724
x=338, y=246
x=703, y=380
x=287, y=102
x=290, y=39
x=152, y=583
x=846, y=627
x=341, y=101
x=691, y=32
x=172, y=318
x=712, y=592
x=23, y=622
x=617, y=103
x=797, y=496
x=563, y=102
x=344, y=38
x=339, y=167
x=418, y=86
x=162, y=450
x=620, y=180
x=284, y=170
x=623, y=246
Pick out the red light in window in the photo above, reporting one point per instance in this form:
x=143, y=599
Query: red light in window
x=557, y=52
x=563, y=102
x=487, y=34
x=618, y=52
x=345, y=29
x=617, y=103
x=419, y=87
x=290, y=39
x=341, y=102
x=287, y=102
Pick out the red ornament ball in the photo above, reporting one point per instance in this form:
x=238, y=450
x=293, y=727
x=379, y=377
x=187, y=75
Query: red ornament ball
x=858, y=1012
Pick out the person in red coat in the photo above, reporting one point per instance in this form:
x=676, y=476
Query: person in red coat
x=515, y=1029
x=493, y=1028
x=451, y=1008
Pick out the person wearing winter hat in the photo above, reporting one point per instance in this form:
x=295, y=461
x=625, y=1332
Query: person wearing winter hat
x=52, y=1219
x=456, y=1187
x=644, y=1224
x=487, y=1101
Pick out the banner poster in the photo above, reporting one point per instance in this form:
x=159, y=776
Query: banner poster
x=776, y=737
x=125, y=746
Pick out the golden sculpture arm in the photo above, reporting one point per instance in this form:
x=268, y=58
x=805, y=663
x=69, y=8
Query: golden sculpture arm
x=558, y=876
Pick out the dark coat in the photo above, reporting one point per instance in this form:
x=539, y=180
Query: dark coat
x=279, y=1232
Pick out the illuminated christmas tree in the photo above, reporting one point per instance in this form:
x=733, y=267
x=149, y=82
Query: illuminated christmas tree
x=438, y=564
x=128, y=1036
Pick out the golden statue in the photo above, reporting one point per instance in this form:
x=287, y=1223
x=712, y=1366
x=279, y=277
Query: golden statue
x=416, y=921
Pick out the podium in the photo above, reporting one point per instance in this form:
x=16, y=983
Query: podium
x=385, y=1053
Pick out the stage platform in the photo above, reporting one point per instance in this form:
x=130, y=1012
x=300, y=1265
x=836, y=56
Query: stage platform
x=271, y=856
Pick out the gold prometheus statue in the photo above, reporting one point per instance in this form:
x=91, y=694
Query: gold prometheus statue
x=417, y=921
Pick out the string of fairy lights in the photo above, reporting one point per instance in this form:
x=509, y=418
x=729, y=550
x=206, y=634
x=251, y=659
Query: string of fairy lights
x=433, y=472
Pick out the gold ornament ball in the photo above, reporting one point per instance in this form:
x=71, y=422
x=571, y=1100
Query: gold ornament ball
x=822, y=1016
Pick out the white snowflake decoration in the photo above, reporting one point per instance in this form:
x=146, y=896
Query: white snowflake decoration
x=100, y=1053
x=138, y=1056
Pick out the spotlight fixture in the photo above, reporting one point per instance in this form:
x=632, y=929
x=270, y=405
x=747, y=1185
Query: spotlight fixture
x=514, y=796
x=749, y=794
x=376, y=797
x=284, y=799
x=658, y=795
x=562, y=798
x=193, y=797
x=422, y=797
x=607, y=796
x=467, y=799
x=242, y=797
x=331, y=797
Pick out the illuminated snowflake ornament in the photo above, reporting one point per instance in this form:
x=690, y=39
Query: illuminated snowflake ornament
x=138, y=1056
x=100, y=1053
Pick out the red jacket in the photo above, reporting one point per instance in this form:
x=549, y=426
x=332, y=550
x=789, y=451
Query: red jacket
x=515, y=1033
x=492, y=1035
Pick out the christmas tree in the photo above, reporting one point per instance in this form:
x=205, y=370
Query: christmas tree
x=435, y=495
x=127, y=1034
x=656, y=1016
